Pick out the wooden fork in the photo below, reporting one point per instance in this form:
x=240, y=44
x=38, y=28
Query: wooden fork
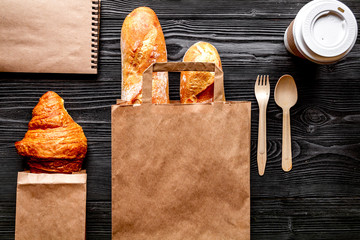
x=262, y=94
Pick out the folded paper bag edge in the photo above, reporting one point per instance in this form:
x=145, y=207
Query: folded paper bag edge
x=51, y=178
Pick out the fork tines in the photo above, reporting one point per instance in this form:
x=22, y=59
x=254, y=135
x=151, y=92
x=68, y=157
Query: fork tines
x=262, y=80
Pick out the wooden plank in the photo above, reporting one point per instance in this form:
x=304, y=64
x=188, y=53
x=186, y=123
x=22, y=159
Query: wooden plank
x=209, y=9
x=244, y=43
x=306, y=218
x=318, y=171
x=318, y=199
x=325, y=130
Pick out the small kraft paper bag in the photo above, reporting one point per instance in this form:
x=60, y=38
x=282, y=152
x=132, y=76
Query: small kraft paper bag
x=50, y=206
x=181, y=171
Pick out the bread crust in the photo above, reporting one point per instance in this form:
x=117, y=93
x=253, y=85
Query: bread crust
x=198, y=87
x=142, y=43
x=54, y=142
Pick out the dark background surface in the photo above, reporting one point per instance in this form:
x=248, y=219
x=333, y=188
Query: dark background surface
x=318, y=199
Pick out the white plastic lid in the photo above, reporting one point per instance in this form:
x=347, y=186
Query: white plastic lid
x=325, y=30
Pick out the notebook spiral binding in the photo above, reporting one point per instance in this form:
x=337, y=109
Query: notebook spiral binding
x=95, y=26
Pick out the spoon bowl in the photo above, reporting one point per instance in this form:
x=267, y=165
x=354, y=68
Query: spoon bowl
x=286, y=92
x=285, y=97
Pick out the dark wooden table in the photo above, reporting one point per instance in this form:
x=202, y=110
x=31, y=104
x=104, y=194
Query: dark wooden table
x=318, y=199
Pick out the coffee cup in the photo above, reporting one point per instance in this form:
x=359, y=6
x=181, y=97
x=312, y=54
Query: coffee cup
x=323, y=31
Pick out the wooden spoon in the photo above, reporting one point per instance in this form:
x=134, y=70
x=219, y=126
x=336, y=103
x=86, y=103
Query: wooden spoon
x=285, y=97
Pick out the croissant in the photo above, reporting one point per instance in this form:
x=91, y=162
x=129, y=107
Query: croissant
x=198, y=87
x=54, y=142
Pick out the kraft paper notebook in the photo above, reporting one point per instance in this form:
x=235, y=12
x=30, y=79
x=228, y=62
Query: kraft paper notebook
x=49, y=36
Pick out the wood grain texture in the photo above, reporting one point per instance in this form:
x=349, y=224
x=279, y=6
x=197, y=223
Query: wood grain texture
x=294, y=218
x=318, y=199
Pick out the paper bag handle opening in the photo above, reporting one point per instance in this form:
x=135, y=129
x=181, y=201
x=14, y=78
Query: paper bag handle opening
x=219, y=95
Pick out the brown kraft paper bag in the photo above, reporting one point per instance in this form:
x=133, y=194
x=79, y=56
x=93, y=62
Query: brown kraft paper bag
x=181, y=171
x=50, y=206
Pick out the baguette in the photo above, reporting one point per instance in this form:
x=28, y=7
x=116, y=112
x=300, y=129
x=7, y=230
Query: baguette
x=198, y=87
x=142, y=43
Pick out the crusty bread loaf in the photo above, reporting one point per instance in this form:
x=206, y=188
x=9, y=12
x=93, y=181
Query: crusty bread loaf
x=198, y=87
x=54, y=143
x=142, y=43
